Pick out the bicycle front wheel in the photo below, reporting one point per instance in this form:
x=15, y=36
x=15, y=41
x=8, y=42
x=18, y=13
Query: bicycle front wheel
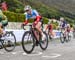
x=9, y=41
x=62, y=38
x=44, y=43
x=28, y=42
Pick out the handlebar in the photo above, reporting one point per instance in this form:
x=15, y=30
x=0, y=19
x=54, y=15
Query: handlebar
x=23, y=26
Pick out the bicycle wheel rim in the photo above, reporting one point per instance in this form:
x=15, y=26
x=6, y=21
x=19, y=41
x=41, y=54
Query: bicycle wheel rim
x=44, y=43
x=9, y=42
x=28, y=45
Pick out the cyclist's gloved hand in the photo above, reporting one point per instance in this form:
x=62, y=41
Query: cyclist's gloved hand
x=24, y=23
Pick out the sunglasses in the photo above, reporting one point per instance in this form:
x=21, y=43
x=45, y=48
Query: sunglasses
x=27, y=10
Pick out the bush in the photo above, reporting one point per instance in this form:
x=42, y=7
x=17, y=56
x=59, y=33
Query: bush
x=18, y=17
x=14, y=17
x=55, y=24
x=45, y=20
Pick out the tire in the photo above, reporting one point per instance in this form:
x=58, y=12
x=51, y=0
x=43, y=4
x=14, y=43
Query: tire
x=68, y=37
x=44, y=42
x=25, y=42
x=62, y=38
x=9, y=44
x=50, y=37
x=73, y=34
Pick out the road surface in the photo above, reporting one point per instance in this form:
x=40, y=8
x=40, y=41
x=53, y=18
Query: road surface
x=55, y=51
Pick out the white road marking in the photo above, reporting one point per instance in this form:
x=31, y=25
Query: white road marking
x=14, y=53
x=24, y=54
x=1, y=52
x=54, y=55
x=33, y=54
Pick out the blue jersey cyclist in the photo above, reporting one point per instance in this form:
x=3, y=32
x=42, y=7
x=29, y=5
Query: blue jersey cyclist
x=33, y=14
x=63, y=23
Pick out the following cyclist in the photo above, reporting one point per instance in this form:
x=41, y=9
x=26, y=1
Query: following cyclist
x=33, y=14
x=63, y=25
x=68, y=29
x=3, y=22
x=49, y=26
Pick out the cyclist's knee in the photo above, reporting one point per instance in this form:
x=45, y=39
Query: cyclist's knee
x=38, y=25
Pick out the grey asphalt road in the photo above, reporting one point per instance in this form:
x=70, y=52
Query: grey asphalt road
x=55, y=51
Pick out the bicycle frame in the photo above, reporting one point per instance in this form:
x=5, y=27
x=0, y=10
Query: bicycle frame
x=36, y=34
x=34, y=31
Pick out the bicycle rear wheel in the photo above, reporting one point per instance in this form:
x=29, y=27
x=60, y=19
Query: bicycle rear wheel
x=50, y=37
x=68, y=37
x=28, y=42
x=9, y=41
x=44, y=43
x=73, y=34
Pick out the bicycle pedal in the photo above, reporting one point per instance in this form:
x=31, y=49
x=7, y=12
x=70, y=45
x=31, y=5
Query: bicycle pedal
x=37, y=43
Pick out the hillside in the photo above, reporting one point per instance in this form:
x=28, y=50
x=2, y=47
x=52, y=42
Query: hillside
x=54, y=8
x=47, y=8
x=66, y=5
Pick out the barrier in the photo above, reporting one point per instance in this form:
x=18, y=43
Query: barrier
x=56, y=34
x=19, y=33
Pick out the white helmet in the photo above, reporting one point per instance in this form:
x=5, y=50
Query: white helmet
x=68, y=25
x=61, y=19
x=27, y=8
